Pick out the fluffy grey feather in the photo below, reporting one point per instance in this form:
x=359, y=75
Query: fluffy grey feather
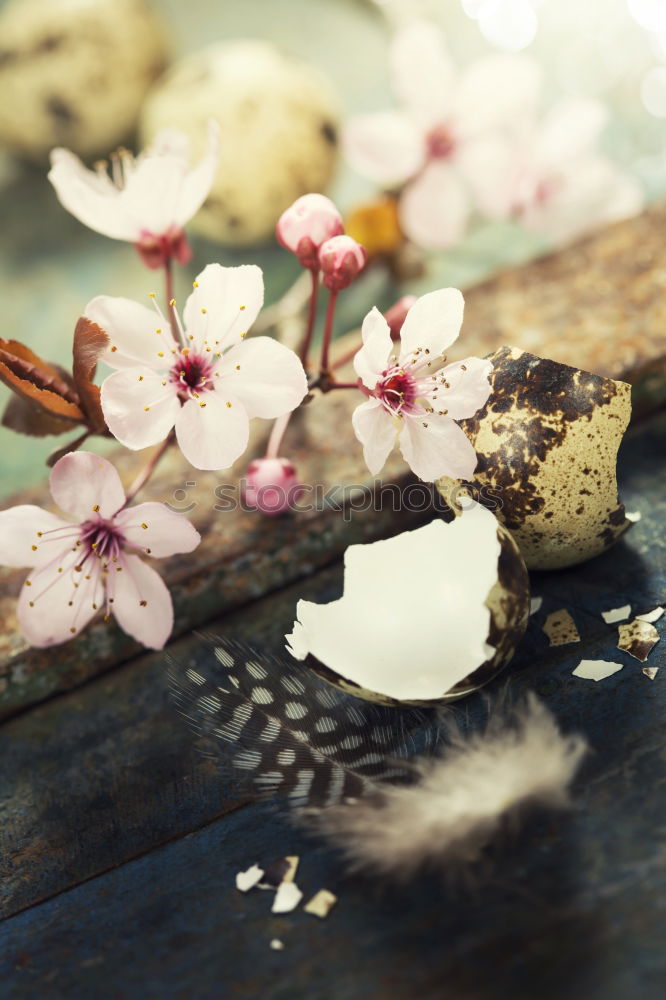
x=462, y=797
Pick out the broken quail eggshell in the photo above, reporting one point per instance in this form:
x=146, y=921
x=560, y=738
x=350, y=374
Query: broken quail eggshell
x=74, y=73
x=427, y=616
x=278, y=118
x=547, y=442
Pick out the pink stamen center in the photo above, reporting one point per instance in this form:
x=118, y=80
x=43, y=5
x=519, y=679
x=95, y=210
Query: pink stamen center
x=398, y=390
x=192, y=373
x=440, y=143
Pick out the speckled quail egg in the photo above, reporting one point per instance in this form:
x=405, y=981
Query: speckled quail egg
x=427, y=616
x=73, y=73
x=547, y=442
x=278, y=119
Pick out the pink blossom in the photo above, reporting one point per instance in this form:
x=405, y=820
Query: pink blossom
x=208, y=381
x=341, y=258
x=91, y=564
x=272, y=485
x=554, y=180
x=147, y=200
x=432, y=144
x=305, y=225
x=413, y=393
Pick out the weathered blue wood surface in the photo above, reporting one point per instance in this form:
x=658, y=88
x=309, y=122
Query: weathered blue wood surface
x=573, y=908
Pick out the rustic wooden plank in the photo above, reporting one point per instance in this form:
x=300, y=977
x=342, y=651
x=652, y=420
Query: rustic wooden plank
x=598, y=305
x=106, y=772
x=572, y=908
x=100, y=775
x=243, y=554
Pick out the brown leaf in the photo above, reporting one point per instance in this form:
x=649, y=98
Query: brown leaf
x=36, y=381
x=25, y=364
x=89, y=342
x=24, y=417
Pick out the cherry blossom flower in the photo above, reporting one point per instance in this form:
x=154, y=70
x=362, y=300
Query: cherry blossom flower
x=147, y=200
x=554, y=180
x=413, y=392
x=433, y=143
x=205, y=379
x=305, y=225
x=92, y=563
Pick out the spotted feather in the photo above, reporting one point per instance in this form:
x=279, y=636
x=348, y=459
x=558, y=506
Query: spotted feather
x=282, y=730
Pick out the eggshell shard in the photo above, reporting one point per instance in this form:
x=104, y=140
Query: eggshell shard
x=74, y=73
x=278, y=121
x=560, y=628
x=638, y=638
x=427, y=616
x=547, y=442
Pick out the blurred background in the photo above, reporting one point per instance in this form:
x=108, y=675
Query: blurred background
x=89, y=75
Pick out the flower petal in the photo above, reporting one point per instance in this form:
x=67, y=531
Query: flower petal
x=376, y=431
x=569, y=130
x=90, y=198
x=440, y=449
x=132, y=330
x=57, y=602
x=198, y=182
x=157, y=530
x=83, y=484
x=433, y=323
x=492, y=166
x=469, y=388
x=215, y=435
x=371, y=360
x=434, y=208
x=224, y=303
x=152, y=190
x=267, y=377
x=422, y=72
x=150, y=623
x=20, y=544
x=139, y=406
x=386, y=146
x=498, y=91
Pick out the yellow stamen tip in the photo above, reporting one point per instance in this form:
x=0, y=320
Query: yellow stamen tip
x=228, y=405
x=96, y=508
x=144, y=525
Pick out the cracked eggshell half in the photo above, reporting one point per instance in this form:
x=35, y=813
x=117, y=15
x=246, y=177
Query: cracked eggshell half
x=547, y=442
x=427, y=616
x=278, y=120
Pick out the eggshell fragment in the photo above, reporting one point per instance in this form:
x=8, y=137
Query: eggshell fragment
x=560, y=628
x=287, y=898
x=321, y=903
x=278, y=121
x=650, y=672
x=426, y=616
x=596, y=670
x=547, y=442
x=651, y=616
x=248, y=879
x=614, y=615
x=638, y=638
x=535, y=605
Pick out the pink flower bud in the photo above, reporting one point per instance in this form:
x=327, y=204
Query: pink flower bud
x=308, y=223
x=397, y=314
x=272, y=485
x=341, y=258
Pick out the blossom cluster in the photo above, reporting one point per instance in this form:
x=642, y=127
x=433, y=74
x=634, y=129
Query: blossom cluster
x=470, y=141
x=195, y=378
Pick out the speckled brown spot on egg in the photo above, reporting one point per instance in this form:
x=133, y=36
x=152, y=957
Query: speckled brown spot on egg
x=559, y=427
